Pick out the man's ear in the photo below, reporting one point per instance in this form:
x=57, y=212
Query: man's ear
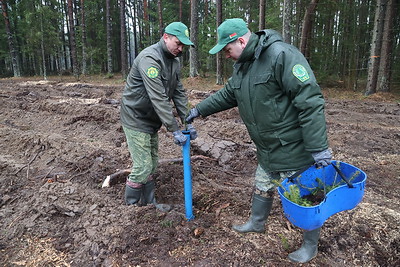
x=165, y=36
x=242, y=42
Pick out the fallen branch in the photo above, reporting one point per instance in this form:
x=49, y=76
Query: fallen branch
x=28, y=164
x=49, y=175
x=79, y=174
x=113, y=178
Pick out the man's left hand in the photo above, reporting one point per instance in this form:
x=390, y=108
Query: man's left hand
x=322, y=158
x=193, y=132
x=179, y=138
x=193, y=113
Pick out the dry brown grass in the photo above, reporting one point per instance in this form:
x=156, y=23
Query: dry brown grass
x=39, y=252
x=343, y=94
x=209, y=84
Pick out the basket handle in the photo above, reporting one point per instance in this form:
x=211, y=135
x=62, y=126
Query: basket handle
x=292, y=177
x=350, y=185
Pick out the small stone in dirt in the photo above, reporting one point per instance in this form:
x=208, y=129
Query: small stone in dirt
x=198, y=232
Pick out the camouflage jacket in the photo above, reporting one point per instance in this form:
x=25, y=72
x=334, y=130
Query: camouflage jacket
x=152, y=83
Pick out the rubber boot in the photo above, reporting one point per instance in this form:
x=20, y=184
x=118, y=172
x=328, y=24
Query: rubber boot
x=260, y=209
x=132, y=195
x=308, y=249
x=149, y=197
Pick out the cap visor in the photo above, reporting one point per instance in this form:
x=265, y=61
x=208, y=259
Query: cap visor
x=186, y=41
x=216, y=49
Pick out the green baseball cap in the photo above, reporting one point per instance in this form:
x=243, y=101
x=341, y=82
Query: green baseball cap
x=229, y=31
x=181, y=32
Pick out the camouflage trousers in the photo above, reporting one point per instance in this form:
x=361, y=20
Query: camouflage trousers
x=143, y=148
x=264, y=181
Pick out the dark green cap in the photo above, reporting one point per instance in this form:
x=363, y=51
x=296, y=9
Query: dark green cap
x=181, y=32
x=229, y=31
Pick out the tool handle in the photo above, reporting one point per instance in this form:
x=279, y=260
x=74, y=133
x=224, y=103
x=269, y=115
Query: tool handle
x=349, y=184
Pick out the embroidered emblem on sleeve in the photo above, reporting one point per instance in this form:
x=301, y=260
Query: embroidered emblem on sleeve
x=152, y=72
x=300, y=72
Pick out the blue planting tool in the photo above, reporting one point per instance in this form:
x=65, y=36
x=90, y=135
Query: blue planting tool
x=187, y=177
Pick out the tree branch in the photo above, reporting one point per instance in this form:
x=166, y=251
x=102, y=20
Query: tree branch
x=113, y=178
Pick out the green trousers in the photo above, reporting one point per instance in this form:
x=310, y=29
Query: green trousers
x=143, y=148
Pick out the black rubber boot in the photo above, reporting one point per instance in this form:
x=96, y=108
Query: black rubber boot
x=260, y=209
x=132, y=195
x=308, y=249
x=149, y=197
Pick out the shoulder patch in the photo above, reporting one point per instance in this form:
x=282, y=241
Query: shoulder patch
x=300, y=72
x=152, y=72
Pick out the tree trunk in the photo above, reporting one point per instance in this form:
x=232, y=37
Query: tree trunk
x=83, y=27
x=300, y=6
x=261, y=20
x=220, y=66
x=180, y=19
x=160, y=17
x=376, y=45
x=180, y=10
x=44, y=69
x=140, y=34
x=72, y=42
x=146, y=18
x=124, y=54
x=327, y=43
x=109, y=42
x=287, y=15
x=307, y=26
x=134, y=15
x=347, y=55
x=63, y=57
x=194, y=61
x=205, y=10
x=385, y=64
x=13, y=51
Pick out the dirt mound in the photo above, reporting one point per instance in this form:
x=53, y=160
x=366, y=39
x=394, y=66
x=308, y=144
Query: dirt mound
x=61, y=139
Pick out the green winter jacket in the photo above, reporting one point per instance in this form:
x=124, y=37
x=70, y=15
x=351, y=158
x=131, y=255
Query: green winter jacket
x=152, y=83
x=279, y=101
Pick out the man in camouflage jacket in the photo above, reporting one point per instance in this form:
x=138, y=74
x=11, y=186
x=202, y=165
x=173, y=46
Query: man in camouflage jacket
x=152, y=85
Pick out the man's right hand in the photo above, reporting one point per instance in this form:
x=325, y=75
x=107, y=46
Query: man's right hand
x=179, y=138
x=322, y=158
x=193, y=113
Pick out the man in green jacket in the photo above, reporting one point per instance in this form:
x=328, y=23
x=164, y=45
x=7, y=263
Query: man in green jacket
x=152, y=84
x=282, y=107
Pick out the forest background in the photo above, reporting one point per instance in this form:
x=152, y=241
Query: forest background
x=352, y=44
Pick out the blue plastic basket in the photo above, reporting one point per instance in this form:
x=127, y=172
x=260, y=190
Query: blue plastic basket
x=339, y=199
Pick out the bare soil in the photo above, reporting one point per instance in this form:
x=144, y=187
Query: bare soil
x=60, y=139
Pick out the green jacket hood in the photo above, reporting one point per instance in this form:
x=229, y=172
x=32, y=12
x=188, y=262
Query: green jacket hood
x=258, y=42
x=266, y=39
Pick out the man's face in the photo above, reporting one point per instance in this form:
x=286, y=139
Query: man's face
x=233, y=50
x=173, y=44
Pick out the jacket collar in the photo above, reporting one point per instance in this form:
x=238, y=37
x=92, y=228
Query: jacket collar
x=247, y=55
x=248, y=52
x=165, y=49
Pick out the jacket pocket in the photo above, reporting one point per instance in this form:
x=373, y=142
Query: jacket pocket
x=291, y=136
x=261, y=79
